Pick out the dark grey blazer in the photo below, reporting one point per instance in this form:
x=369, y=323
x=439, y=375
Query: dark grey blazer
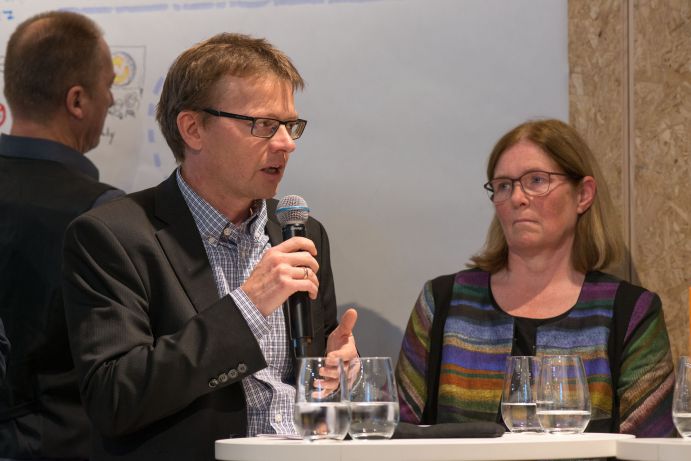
x=159, y=356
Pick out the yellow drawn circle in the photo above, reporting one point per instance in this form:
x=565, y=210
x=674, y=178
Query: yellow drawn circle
x=125, y=68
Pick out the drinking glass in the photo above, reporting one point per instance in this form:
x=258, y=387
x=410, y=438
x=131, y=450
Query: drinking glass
x=373, y=398
x=321, y=402
x=563, y=399
x=681, y=408
x=519, y=397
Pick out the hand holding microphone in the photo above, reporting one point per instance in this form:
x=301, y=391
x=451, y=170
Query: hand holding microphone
x=292, y=213
x=287, y=273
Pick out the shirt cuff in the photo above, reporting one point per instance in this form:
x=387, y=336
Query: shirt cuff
x=259, y=325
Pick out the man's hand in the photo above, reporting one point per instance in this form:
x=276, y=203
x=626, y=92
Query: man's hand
x=282, y=271
x=341, y=342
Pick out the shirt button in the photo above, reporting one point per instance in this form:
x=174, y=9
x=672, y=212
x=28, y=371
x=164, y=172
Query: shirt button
x=226, y=231
x=211, y=240
x=278, y=417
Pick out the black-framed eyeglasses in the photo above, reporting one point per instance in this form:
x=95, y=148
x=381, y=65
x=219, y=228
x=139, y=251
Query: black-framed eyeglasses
x=263, y=127
x=533, y=183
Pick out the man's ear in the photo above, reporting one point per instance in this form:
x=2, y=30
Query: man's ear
x=586, y=194
x=189, y=126
x=75, y=100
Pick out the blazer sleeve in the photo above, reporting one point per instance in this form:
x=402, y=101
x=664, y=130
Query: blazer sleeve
x=4, y=350
x=129, y=374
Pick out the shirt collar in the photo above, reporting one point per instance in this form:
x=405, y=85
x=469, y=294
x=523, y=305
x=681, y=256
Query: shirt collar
x=212, y=224
x=44, y=149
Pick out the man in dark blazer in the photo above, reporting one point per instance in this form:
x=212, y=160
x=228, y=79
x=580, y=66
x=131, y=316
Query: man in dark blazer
x=57, y=73
x=174, y=293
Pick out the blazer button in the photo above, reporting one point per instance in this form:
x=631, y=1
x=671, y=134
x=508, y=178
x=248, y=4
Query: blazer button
x=242, y=368
x=222, y=378
x=233, y=373
x=213, y=383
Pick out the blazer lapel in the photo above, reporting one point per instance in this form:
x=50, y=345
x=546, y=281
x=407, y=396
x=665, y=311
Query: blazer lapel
x=183, y=245
x=273, y=228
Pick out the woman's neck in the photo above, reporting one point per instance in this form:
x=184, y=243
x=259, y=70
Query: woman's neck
x=537, y=286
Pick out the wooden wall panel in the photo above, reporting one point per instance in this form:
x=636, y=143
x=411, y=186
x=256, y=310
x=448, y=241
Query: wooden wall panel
x=661, y=214
x=630, y=96
x=598, y=93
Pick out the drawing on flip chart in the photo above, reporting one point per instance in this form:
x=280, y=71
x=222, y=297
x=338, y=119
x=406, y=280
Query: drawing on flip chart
x=128, y=85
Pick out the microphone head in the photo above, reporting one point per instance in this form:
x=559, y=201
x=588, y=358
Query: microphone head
x=292, y=209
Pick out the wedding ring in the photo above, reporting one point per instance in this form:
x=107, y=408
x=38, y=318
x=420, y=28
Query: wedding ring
x=306, y=274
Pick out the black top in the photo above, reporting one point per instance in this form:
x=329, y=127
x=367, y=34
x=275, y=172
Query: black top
x=21, y=147
x=44, y=185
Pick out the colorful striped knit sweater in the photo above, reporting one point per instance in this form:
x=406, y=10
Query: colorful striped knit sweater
x=478, y=336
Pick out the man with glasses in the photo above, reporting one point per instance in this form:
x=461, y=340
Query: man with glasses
x=58, y=72
x=174, y=293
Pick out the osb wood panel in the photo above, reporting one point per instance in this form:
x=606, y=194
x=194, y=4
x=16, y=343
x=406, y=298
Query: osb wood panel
x=661, y=216
x=598, y=93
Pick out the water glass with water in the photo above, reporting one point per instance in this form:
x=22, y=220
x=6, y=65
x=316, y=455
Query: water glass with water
x=321, y=402
x=681, y=408
x=519, y=396
x=373, y=398
x=563, y=399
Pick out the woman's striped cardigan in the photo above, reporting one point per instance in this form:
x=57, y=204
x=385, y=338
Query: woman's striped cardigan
x=478, y=336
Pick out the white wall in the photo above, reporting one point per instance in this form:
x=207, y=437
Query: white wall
x=404, y=101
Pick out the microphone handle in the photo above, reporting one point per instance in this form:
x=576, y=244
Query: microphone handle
x=293, y=230
x=299, y=310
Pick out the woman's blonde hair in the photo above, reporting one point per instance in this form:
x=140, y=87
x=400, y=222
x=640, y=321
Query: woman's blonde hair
x=598, y=242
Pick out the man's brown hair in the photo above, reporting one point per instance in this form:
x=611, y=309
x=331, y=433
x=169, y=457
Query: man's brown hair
x=193, y=76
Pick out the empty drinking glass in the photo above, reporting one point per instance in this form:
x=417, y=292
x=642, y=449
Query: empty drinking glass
x=373, y=398
x=681, y=408
x=563, y=399
x=519, y=397
x=321, y=400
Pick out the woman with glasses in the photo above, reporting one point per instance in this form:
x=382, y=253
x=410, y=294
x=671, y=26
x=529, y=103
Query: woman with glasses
x=537, y=288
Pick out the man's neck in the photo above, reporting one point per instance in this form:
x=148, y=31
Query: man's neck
x=52, y=132
x=237, y=211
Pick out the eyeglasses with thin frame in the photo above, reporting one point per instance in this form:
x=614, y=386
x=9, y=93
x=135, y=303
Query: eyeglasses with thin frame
x=263, y=127
x=533, y=183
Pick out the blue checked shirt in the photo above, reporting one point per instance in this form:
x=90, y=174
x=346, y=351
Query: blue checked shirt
x=233, y=252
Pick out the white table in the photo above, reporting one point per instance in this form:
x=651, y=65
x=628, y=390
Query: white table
x=507, y=447
x=654, y=450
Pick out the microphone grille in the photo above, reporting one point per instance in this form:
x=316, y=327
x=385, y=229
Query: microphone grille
x=292, y=209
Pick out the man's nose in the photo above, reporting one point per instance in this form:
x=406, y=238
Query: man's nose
x=282, y=138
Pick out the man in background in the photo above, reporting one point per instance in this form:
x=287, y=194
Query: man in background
x=174, y=294
x=58, y=73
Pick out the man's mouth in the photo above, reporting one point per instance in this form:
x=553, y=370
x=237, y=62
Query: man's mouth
x=273, y=169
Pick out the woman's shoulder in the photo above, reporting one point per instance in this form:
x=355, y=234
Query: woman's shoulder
x=621, y=285
x=476, y=277
x=631, y=303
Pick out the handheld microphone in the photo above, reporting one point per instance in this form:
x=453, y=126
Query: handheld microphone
x=292, y=213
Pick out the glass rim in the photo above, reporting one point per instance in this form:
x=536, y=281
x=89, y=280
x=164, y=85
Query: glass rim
x=320, y=358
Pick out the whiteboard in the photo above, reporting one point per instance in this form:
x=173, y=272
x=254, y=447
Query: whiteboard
x=404, y=99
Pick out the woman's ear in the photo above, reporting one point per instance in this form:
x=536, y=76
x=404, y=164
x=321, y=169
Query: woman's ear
x=586, y=194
